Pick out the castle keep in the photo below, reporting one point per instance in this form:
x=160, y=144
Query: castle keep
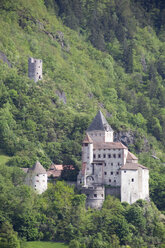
x=109, y=165
x=35, y=69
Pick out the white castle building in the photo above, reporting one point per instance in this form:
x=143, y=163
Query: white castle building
x=36, y=177
x=108, y=163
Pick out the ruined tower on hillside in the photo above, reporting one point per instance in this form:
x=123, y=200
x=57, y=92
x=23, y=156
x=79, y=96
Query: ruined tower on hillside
x=35, y=69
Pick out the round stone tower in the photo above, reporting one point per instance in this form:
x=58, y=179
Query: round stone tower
x=35, y=69
x=95, y=196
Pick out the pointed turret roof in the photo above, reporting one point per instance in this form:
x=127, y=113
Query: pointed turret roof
x=99, y=123
x=87, y=139
x=38, y=168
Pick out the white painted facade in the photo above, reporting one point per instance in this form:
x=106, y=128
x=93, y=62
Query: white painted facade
x=134, y=185
x=37, y=182
x=37, y=178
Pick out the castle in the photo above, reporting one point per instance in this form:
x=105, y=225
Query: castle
x=35, y=69
x=109, y=168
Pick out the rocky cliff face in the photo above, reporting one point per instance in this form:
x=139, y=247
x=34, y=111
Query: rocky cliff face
x=130, y=138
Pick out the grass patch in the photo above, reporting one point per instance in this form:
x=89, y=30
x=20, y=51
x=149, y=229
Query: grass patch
x=42, y=244
x=3, y=158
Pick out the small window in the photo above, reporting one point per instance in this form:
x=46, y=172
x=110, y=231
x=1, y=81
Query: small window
x=124, y=171
x=37, y=181
x=114, y=181
x=110, y=180
x=104, y=155
x=94, y=155
x=119, y=155
x=43, y=175
x=87, y=195
x=118, y=163
x=102, y=195
x=111, y=172
x=114, y=155
x=86, y=144
x=95, y=195
x=111, y=163
x=109, y=155
x=117, y=173
x=105, y=173
x=105, y=164
x=43, y=181
x=132, y=179
x=99, y=155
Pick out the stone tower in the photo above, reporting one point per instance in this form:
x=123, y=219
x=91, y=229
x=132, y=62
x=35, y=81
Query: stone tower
x=35, y=69
x=37, y=178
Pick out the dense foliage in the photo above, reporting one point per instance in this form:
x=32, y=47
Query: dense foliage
x=59, y=214
x=112, y=58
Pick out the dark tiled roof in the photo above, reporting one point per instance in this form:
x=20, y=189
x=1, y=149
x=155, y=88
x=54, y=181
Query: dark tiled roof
x=109, y=145
x=87, y=139
x=132, y=166
x=38, y=168
x=99, y=123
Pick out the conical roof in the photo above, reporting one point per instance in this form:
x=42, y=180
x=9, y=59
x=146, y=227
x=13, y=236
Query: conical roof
x=99, y=123
x=38, y=168
x=87, y=139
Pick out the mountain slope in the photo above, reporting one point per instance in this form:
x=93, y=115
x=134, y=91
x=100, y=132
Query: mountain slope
x=46, y=121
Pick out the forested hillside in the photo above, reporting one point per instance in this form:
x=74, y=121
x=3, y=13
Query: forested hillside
x=107, y=55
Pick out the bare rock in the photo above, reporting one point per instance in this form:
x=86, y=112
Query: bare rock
x=130, y=137
x=4, y=58
x=61, y=95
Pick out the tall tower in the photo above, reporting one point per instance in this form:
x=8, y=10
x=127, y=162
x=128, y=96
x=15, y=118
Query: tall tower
x=35, y=69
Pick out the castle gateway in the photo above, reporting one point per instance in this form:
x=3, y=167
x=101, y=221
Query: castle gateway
x=109, y=168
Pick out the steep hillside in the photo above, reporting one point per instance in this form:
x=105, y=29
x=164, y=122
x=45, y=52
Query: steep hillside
x=125, y=78
x=112, y=59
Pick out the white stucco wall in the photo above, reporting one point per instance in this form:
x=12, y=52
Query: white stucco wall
x=37, y=182
x=129, y=188
x=132, y=191
x=87, y=153
x=144, y=194
x=101, y=136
